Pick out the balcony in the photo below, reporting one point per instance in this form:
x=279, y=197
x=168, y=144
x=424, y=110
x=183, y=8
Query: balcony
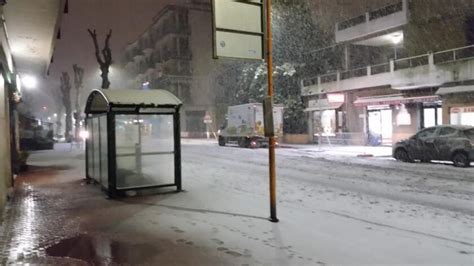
x=388, y=18
x=412, y=72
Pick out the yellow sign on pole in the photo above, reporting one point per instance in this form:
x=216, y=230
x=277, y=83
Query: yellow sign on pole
x=240, y=32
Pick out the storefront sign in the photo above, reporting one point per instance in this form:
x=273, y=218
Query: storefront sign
x=336, y=97
x=462, y=116
x=467, y=109
x=403, y=117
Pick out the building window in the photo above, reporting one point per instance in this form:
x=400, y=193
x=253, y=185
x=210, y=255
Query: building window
x=194, y=122
x=432, y=116
x=462, y=116
x=325, y=122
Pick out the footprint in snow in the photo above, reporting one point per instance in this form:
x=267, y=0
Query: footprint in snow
x=217, y=241
x=233, y=253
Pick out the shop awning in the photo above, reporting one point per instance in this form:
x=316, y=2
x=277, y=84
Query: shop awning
x=322, y=104
x=394, y=99
x=414, y=87
x=457, y=89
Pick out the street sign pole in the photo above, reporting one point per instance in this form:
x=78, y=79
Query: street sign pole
x=238, y=32
x=271, y=139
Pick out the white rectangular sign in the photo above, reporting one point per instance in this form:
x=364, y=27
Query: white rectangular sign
x=238, y=29
x=239, y=16
x=237, y=45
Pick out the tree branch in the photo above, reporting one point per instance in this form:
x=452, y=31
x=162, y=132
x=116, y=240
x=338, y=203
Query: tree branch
x=93, y=34
x=107, y=52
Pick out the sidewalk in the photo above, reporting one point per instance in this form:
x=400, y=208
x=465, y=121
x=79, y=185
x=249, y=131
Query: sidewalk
x=55, y=218
x=345, y=150
x=341, y=150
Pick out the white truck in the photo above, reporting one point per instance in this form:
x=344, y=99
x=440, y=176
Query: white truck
x=244, y=125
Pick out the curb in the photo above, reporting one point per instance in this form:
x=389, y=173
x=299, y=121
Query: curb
x=365, y=155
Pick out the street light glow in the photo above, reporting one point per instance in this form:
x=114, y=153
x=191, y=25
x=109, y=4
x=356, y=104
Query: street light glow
x=16, y=49
x=29, y=82
x=18, y=83
x=396, y=38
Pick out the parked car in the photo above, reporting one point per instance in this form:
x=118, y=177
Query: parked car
x=443, y=143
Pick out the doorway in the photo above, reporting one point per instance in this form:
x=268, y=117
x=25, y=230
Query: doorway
x=380, y=125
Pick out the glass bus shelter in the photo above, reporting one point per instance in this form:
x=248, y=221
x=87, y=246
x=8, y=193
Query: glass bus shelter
x=134, y=140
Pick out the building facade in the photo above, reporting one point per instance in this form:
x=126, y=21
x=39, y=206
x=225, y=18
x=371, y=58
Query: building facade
x=27, y=39
x=405, y=65
x=175, y=53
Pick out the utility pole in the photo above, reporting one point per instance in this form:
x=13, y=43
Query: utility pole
x=271, y=139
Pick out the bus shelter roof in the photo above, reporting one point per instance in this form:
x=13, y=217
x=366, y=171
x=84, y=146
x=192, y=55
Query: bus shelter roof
x=101, y=101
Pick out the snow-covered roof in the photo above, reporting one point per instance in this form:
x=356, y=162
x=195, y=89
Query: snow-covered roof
x=322, y=104
x=457, y=89
x=393, y=99
x=100, y=101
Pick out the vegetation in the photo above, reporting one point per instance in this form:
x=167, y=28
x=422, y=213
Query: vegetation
x=294, y=35
x=105, y=58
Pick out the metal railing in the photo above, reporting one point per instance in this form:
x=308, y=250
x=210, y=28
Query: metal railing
x=454, y=55
x=342, y=138
x=353, y=73
x=385, y=11
x=442, y=57
x=410, y=62
x=328, y=77
x=351, y=22
x=371, y=15
x=380, y=68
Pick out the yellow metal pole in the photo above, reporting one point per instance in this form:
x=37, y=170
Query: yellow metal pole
x=271, y=141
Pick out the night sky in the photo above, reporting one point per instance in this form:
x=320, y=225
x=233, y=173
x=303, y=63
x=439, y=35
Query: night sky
x=126, y=18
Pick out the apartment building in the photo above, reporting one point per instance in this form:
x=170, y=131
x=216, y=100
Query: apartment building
x=175, y=53
x=404, y=65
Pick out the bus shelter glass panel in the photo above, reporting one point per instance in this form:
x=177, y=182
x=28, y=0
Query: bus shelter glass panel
x=90, y=149
x=96, y=145
x=144, y=150
x=104, y=173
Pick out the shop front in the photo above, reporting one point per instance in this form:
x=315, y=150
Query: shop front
x=462, y=115
x=326, y=118
x=432, y=114
x=394, y=117
x=458, y=105
x=379, y=124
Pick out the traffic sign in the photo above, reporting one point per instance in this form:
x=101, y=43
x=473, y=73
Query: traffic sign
x=207, y=119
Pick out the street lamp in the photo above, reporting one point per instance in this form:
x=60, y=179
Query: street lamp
x=29, y=82
x=396, y=39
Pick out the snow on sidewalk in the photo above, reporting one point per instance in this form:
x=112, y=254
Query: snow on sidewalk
x=208, y=224
x=344, y=150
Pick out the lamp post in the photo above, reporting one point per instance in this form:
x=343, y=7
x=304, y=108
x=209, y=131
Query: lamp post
x=396, y=38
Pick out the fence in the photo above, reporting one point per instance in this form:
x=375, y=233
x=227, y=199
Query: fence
x=342, y=138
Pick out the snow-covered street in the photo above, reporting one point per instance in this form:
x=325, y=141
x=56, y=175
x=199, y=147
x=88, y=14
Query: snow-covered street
x=333, y=208
x=428, y=202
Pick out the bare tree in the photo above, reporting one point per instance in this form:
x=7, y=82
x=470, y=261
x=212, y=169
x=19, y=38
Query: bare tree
x=56, y=94
x=105, y=60
x=78, y=77
x=66, y=93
